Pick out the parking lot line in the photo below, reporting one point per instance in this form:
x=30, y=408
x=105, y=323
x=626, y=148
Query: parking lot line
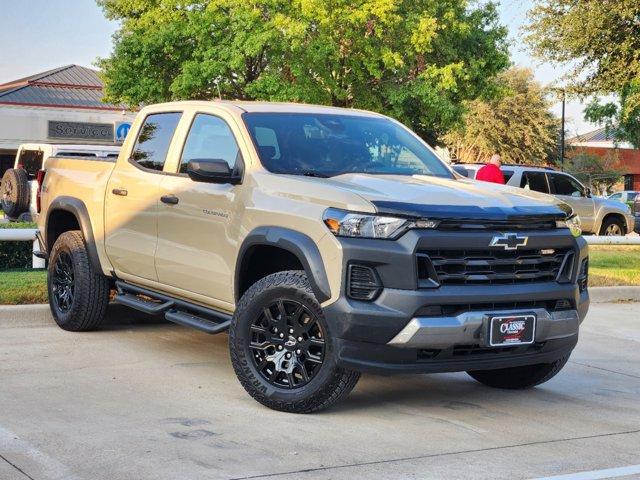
x=596, y=474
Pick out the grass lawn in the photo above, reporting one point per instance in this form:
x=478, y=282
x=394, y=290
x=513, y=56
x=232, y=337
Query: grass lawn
x=23, y=286
x=609, y=266
x=614, y=265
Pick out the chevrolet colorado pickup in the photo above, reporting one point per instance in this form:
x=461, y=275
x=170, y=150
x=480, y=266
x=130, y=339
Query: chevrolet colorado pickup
x=328, y=242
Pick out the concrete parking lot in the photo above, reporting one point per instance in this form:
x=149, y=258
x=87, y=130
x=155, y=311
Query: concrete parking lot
x=144, y=399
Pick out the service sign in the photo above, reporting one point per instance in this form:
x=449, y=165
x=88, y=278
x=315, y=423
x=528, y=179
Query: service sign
x=103, y=132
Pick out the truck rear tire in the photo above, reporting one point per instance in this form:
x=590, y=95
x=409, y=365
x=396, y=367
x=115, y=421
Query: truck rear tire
x=14, y=192
x=282, y=349
x=78, y=295
x=519, y=378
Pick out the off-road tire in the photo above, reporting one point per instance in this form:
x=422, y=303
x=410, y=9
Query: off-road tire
x=330, y=383
x=90, y=288
x=519, y=378
x=14, y=192
x=609, y=222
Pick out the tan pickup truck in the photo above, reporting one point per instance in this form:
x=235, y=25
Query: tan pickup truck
x=327, y=241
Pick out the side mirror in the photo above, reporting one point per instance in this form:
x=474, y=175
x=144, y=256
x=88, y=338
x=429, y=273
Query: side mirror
x=587, y=192
x=212, y=170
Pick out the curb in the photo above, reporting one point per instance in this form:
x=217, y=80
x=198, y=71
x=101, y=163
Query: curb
x=614, y=294
x=37, y=315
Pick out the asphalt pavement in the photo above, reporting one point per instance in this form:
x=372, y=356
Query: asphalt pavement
x=144, y=399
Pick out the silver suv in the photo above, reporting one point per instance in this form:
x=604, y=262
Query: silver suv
x=600, y=216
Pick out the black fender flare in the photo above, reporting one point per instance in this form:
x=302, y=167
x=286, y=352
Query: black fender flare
x=299, y=244
x=76, y=207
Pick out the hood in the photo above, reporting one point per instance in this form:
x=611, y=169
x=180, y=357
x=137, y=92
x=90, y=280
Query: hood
x=614, y=205
x=439, y=198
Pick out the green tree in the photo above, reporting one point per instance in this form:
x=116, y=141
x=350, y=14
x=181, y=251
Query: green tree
x=417, y=60
x=599, y=173
x=600, y=39
x=517, y=124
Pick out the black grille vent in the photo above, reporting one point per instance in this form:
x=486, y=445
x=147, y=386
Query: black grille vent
x=473, y=351
x=458, y=308
x=363, y=283
x=474, y=267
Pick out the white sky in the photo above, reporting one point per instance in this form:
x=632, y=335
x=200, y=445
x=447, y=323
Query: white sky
x=38, y=35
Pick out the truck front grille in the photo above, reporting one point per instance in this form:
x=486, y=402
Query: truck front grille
x=476, y=267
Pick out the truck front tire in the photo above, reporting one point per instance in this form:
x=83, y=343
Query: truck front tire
x=78, y=295
x=519, y=378
x=281, y=347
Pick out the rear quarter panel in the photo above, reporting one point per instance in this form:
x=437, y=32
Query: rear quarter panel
x=83, y=179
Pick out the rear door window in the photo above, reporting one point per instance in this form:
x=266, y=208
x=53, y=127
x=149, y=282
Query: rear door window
x=536, y=181
x=507, y=175
x=154, y=139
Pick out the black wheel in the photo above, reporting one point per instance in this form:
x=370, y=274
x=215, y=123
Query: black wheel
x=612, y=227
x=519, y=378
x=281, y=347
x=14, y=192
x=78, y=295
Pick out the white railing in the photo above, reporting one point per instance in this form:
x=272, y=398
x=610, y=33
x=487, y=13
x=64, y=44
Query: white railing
x=29, y=234
x=604, y=240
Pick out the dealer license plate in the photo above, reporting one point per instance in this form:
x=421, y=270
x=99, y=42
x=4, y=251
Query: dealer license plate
x=507, y=330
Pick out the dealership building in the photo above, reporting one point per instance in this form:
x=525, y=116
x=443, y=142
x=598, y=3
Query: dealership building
x=601, y=143
x=63, y=105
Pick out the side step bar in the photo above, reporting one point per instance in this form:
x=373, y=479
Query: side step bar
x=175, y=310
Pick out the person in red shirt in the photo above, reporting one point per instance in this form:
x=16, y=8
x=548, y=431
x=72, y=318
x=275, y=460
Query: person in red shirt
x=491, y=171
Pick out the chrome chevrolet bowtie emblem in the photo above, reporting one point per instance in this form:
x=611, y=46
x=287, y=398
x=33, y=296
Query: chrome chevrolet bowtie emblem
x=509, y=241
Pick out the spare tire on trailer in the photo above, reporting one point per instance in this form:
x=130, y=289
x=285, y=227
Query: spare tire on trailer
x=14, y=192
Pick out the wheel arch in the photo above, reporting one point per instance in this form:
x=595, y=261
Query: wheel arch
x=291, y=244
x=69, y=213
x=612, y=215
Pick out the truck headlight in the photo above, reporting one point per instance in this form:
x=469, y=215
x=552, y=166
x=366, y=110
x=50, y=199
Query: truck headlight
x=350, y=224
x=573, y=223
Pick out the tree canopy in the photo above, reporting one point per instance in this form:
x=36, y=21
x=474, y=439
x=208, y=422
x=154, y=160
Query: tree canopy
x=416, y=60
x=600, y=39
x=599, y=173
x=517, y=124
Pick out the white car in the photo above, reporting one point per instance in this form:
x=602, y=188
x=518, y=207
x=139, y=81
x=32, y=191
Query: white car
x=599, y=216
x=20, y=184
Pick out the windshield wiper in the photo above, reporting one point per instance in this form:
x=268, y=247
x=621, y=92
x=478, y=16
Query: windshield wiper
x=311, y=173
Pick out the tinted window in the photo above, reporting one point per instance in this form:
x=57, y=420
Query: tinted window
x=507, y=175
x=616, y=196
x=631, y=196
x=536, y=181
x=152, y=145
x=209, y=138
x=565, y=185
x=327, y=145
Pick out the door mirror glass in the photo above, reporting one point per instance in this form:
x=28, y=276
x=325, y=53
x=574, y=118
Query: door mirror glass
x=211, y=170
x=587, y=192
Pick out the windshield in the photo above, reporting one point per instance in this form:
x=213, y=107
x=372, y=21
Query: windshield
x=325, y=145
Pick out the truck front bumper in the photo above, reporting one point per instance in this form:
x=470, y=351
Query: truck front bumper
x=444, y=329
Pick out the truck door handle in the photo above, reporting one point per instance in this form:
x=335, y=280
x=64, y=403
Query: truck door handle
x=119, y=191
x=170, y=199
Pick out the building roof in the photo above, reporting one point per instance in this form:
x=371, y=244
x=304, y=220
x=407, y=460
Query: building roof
x=71, y=86
x=600, y=135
